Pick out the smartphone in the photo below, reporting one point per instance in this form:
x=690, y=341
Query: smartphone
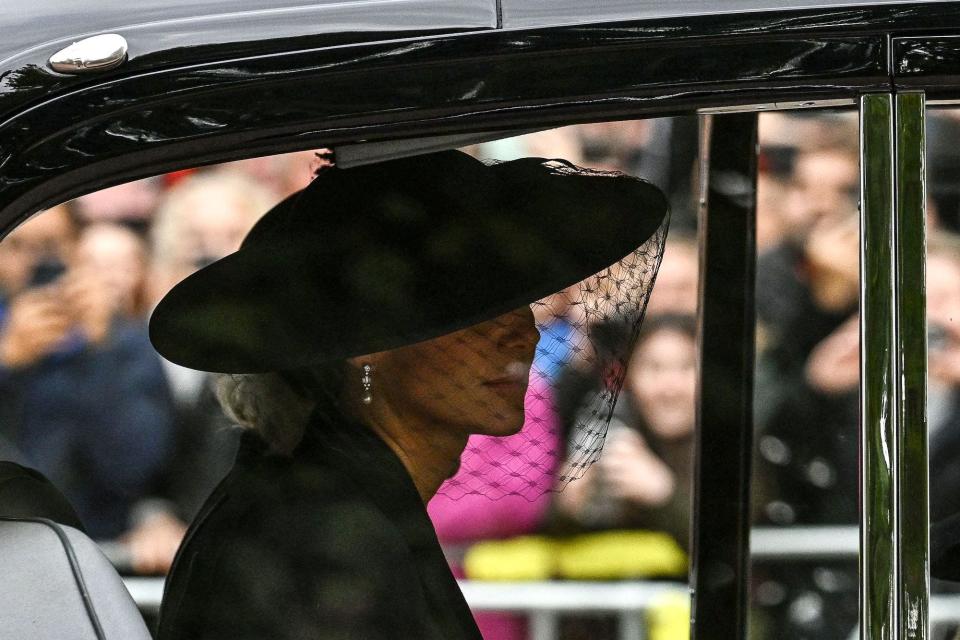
x=46, y=271
x=938, y=338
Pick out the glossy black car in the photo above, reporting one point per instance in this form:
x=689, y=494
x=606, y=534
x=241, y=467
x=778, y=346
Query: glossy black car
x=206, y=82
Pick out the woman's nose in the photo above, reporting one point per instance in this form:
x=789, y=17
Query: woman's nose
x=518, y=330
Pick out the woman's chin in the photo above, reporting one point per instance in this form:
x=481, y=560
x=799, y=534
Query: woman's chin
x=503, y=425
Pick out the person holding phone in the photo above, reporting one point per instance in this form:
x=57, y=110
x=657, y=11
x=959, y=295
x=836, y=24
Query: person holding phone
x=82, y=397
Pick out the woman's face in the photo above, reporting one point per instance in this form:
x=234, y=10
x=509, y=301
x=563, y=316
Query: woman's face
x=474, y=380
x=118, y=255
x=662, y=378
x=943, y=290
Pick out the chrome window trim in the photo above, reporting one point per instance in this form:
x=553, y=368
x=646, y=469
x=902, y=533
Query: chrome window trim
x=894, y=538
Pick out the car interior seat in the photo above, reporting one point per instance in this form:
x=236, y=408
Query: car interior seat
x=55, y=582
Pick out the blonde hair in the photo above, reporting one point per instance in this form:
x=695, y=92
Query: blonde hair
x=267, y=404
x=181, y=202
x=278, y=405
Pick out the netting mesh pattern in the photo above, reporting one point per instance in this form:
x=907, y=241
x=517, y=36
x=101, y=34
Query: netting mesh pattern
x=589, y=327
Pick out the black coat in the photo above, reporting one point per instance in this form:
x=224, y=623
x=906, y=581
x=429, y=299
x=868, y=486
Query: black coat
x=331, y=543
x=945, y=497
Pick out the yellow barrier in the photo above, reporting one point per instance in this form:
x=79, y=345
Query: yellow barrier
x=609, y=555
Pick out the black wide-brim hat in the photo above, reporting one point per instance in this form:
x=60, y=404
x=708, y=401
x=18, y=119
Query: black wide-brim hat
x=381, y=256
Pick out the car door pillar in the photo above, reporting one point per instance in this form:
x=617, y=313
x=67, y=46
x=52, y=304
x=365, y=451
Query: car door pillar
x=894, y=547
x=721, y=519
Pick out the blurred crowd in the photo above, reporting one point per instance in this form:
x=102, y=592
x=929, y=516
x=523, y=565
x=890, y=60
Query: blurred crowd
x=133, y=441
x=137, y=443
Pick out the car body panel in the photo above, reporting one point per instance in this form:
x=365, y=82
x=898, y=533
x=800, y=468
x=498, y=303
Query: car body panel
x=158, y=25
x=536, y=13
x=928, y=63
x=210, y=81
x=367, y=74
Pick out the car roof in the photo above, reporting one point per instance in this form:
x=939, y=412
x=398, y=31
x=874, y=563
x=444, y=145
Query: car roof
x=210, y=81
x=29, y=25
x=46, y=24
x=534, y=13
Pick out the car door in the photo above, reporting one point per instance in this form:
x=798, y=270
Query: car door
x=376, y=79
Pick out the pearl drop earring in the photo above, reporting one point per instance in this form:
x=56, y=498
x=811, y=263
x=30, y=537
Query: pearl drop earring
x=367, y=382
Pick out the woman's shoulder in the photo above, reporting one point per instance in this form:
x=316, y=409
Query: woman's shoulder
x=283, y=513
x=278, y=544
x=273, y=488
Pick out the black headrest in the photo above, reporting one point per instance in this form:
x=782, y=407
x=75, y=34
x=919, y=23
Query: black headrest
x=25, y=493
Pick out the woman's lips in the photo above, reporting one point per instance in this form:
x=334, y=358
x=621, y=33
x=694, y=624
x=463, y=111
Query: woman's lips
x=515, y=379
x=511, y=385
x=511, y=392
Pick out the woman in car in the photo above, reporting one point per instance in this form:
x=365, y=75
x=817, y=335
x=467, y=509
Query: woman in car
x=367, y=326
